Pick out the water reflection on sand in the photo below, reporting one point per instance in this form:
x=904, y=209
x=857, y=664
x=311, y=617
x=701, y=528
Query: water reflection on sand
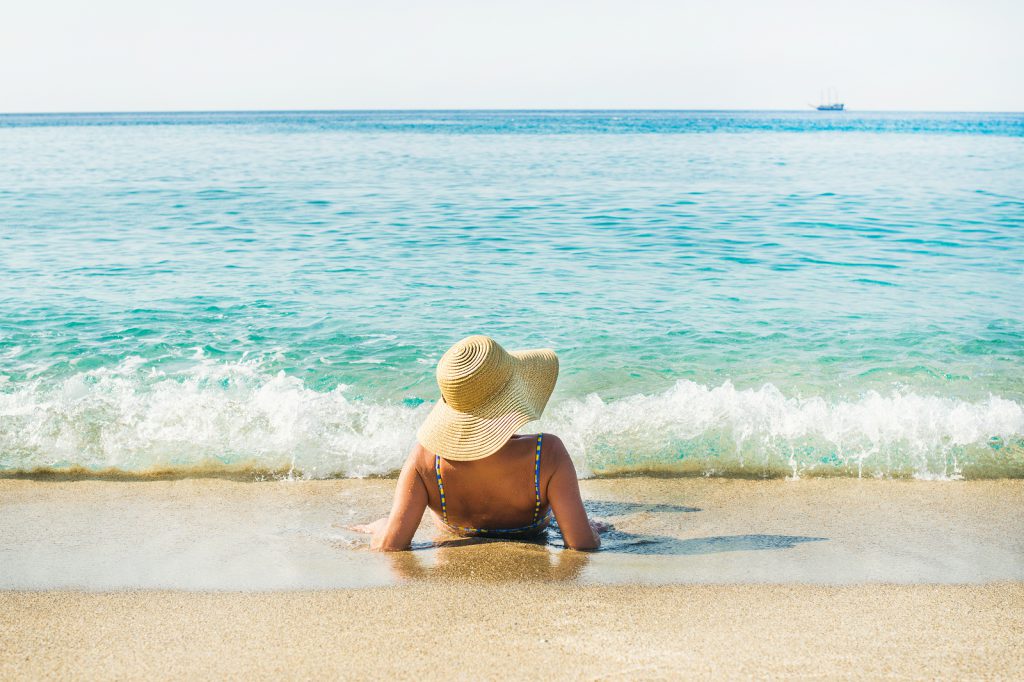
x=485, y=560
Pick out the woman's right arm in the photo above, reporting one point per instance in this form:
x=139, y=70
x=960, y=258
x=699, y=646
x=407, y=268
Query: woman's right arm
x=566, y=502
x=395, y=533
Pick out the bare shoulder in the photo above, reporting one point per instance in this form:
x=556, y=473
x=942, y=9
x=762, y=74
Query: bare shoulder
x=555, y=450
x=419, y=458
x=553, y=442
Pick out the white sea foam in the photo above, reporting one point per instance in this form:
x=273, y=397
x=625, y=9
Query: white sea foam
x=233, y=416
x=215, y=415
x=727, y=430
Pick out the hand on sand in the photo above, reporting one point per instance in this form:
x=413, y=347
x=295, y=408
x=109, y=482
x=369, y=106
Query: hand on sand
x=369, y=528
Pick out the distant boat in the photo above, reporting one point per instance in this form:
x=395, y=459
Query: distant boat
x=829, y=103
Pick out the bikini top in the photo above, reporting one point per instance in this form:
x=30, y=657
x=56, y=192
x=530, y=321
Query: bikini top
x=538, y=523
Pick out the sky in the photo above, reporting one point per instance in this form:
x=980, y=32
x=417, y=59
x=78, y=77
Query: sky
x=141, y=55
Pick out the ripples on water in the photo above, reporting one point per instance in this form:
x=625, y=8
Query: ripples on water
x=751, y=293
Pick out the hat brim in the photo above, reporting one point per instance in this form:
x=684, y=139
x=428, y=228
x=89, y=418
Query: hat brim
x=465, y=436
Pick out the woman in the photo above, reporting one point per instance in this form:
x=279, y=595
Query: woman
x=475, y=475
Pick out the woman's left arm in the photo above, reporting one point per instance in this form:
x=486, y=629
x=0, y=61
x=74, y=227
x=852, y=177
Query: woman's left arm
x=395, y=532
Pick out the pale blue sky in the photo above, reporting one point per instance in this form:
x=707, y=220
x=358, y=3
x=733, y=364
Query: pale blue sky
x=102, y=55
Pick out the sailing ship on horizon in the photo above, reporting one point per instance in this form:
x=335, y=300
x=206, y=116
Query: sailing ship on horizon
x=828, y=101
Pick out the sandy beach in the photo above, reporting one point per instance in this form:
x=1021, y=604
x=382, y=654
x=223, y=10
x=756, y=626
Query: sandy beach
x=455, y=630
x=700, y=578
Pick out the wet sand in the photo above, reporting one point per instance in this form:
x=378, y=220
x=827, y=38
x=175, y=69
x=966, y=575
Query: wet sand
x=205, y=534
x=701, y=578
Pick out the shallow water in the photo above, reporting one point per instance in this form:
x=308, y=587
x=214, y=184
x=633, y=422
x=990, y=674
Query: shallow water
x=745, y=294
x=229, y=535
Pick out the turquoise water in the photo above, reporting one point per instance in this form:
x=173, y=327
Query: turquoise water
x=760, y=293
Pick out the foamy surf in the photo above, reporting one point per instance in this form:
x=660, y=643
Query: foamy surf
x=232, y=419
x=762, y=432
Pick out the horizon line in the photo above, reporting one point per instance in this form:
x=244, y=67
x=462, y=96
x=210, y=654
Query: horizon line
x=807, y=109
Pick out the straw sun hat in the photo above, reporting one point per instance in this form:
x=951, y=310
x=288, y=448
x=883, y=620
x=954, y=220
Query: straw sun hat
x=486, y=394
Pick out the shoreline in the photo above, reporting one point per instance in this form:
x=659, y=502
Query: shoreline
x=213, y=534
x=246, y=474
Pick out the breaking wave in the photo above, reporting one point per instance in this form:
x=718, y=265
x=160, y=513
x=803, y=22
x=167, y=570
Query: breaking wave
x=221, y=418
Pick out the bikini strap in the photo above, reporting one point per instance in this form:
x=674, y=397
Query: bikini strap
x=536, y=478
x=440, y=488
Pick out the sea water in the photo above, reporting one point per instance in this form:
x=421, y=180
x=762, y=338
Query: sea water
x=744, y=294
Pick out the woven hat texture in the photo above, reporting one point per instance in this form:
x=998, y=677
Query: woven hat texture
x=486, y=394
